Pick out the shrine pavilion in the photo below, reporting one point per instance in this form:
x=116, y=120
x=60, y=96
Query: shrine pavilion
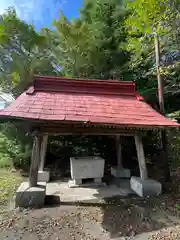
x=63, y=106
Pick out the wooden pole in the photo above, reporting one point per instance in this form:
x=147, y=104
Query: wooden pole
x=159, y=76
x=33, y=175
x=161, y=105
x=141, y=158
x=43, y=152
x=119, y=151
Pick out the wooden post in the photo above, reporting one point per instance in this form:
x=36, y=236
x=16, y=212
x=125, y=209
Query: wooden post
x=119, y=151
x=33, y=175
x=43, y=152
x=161, y=105
x=141, y=158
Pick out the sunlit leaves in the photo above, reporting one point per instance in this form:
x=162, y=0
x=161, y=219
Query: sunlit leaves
x=23, y=52
x=147, y=16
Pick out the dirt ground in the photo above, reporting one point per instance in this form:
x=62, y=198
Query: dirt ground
x=111, y=219
x=134, y=218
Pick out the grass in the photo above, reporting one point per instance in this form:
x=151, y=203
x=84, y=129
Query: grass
x=9, y=182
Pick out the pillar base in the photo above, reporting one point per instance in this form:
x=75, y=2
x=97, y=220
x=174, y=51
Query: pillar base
x=120, y=172
x=27, y=196
x=145, y=188
x=43, y=176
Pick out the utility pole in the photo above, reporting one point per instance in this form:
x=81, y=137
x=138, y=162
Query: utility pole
x=161, y=105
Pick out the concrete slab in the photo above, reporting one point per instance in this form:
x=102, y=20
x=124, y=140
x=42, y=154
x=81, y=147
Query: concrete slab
x=43, y=176
x=30, y=196
x=66, y=194
x=145, y=188
x=120, y=172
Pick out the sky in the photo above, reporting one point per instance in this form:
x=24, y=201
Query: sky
x=41, y=12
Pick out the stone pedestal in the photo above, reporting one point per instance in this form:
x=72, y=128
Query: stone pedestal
x=120, y=172
x=30, y=196
x=43, y=176
x=145, y=188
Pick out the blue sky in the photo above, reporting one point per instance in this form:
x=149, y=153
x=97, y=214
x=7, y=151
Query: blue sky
x=42, y=12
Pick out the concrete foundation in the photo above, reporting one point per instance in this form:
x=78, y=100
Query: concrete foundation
x=43, y=176
x=120, y=172
x=30, y=196
x=145, y=188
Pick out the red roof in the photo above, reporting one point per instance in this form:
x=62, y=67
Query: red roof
x=93, y=101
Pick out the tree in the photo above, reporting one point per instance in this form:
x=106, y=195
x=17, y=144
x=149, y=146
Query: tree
x=147, y=19
x=93, y=45
x=23, y=53
x=71, y=44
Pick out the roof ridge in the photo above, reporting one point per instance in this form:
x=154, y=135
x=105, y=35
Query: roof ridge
x=107, y=81
x=58, y=84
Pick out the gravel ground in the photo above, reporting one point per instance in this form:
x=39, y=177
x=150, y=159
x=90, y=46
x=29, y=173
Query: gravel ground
x=101, y=221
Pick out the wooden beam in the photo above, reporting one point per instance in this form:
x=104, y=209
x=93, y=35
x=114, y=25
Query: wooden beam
x=119, y=151
x=43, y=152
x=35, y=158
x=141, y=157
x=76, y=130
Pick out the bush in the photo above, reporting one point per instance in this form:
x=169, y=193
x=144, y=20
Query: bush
x=174, y=148
x=8, y=185
x=15, y=148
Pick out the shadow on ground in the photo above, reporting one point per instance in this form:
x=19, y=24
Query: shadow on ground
x=118, y=217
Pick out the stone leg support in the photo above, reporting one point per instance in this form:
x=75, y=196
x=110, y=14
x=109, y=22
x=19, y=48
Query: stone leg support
x=120, y=172
x=98, y=180
x=145, y=188
x=77, y=181
x=43, y=176
x=27, y=196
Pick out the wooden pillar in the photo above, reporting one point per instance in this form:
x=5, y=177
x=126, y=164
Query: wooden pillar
x=43, y=152
x=119, y=151
x=35, y=158
x=141, y=157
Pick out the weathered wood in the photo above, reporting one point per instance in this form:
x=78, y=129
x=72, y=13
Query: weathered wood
x=119, y=151
x=141, y=157
x=35, y=158
x=43, y=152
x=77, y=130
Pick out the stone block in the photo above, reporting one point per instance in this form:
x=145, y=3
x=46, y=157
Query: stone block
x=30, y=196
x=145, y=188
x=87, y=167
x=120, y=172
x=43, y=176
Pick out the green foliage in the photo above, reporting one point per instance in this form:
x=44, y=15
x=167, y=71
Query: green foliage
x=15, y=148
x=93, y=45
x=8, y=185
x=147, y=17
x=23, y=52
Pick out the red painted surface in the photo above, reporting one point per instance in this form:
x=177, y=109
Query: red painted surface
x=98, y=102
